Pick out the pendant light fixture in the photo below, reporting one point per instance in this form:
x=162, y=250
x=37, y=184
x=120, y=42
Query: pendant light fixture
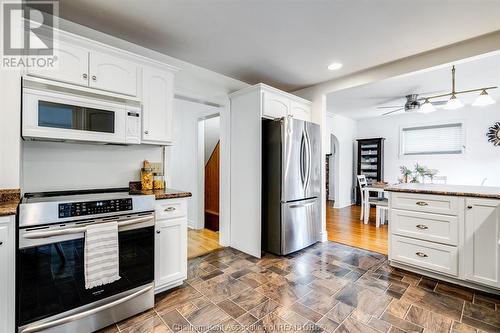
x=455, y=103
x=427, y=107
x=483, y=99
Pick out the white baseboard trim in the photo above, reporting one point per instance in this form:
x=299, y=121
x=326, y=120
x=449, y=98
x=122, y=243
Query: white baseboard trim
x=343, y=205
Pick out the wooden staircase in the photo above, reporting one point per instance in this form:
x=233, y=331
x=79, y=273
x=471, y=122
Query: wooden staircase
x=212, y=190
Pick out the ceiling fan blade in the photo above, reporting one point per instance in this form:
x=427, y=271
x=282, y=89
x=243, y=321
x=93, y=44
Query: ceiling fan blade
x=389, y=107
x=393, y=111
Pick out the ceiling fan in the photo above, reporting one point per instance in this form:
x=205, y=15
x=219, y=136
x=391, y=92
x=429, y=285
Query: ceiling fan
x=413, y=103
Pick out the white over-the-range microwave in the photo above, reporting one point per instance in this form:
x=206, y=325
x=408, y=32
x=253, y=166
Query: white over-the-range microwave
x=69, y=116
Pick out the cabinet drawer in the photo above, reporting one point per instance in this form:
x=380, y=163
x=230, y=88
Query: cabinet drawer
x=431, y=227
x=427, y=255
x=428, y=203
x=170, y=208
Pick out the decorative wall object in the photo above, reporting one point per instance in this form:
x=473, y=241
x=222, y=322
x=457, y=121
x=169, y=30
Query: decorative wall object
x=494, y=134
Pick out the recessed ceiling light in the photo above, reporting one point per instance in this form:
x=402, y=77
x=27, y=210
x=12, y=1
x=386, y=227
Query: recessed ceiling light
x=334, y=66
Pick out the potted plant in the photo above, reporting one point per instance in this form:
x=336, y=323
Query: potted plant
x=419, y=173
x=406, y=172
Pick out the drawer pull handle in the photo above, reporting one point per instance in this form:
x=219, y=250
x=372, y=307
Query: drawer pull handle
x=422, y=226
x=422, y=203
x=421, y=254
x=169, y=209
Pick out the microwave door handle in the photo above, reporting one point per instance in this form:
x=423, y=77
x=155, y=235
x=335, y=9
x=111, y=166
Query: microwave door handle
x=64, y=320
x=77, y=230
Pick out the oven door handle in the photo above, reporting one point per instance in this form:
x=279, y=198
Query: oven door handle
x=44, y=326
x=77, y=230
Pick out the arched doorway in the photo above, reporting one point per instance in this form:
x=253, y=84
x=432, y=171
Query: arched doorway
x=333, y=170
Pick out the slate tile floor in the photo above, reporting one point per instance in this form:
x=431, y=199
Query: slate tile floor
x=326, y=288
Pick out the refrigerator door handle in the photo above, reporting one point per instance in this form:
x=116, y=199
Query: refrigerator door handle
x=308, y=161
x=304, y=204
x=302, y=165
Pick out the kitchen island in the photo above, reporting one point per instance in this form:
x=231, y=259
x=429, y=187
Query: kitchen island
x=449, y=232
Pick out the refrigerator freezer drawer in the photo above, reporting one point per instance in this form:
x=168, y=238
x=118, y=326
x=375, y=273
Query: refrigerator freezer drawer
x=300, y=225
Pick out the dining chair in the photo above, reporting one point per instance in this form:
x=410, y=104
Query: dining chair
x=382, y=202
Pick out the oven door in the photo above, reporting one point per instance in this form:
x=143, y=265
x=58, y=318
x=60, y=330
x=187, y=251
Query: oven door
x=64, y=117
x=51, y=266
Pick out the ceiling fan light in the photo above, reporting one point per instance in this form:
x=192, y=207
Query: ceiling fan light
x=427, y=107
x=483, y=99
x=453, y=103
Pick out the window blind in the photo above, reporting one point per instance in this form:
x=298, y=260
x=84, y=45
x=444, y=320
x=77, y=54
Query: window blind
x=436, y=139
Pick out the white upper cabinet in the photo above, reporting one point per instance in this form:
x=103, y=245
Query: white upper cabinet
x=301, y=111
x=72, y=65
x=113, y=74
x=157, y=105
x=82, y=65
x=275, y=105
x=482, y=241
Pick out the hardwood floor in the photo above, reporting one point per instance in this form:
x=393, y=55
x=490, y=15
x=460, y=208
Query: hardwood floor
x=344, y=226
x=201, y=242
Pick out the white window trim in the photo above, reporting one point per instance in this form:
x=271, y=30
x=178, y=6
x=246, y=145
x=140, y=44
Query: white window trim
x=434, y=123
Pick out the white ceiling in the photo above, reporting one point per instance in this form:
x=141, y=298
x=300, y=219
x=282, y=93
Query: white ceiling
x=287, y=43
x=362, y=101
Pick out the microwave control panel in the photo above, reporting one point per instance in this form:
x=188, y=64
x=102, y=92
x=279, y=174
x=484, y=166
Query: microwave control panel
x=94, y=207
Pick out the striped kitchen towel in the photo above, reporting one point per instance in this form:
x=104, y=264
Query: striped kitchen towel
x=101, y=254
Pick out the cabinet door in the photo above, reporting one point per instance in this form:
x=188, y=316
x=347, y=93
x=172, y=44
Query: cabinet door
x=275, y=105
x=72, y=65
x=157, y=105
x=113, y=74
x=301, y=111
x=7, y=285
x=170, y=251
x=482, y=237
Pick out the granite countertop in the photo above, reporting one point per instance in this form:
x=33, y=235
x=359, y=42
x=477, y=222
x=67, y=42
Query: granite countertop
x=455, y=190
x=167, y=193
x=9, y=200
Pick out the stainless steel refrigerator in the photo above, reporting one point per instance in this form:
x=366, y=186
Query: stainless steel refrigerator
x=291, y=185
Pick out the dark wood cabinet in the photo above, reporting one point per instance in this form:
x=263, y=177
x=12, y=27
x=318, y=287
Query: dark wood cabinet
x=370, y=162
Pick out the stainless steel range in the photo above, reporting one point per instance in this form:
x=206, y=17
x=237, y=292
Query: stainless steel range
x=51, y=294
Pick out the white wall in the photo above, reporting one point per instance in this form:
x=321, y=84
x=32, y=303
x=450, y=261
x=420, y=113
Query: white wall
x=345, y=130
x=212, y=135
x=51, y=166
x=183, y=157
x=480, y=161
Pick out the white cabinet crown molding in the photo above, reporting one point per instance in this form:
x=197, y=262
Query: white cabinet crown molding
x=265, y=87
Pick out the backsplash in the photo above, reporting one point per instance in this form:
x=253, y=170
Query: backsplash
x=51, y=166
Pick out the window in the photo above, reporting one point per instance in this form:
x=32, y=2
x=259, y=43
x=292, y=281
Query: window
x=433, y=140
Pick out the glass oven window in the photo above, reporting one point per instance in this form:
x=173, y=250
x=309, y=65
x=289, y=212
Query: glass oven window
x=58, y=115
x=51, y=277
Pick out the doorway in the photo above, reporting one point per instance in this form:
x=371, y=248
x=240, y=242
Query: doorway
x=200, y=133
x=204, y=237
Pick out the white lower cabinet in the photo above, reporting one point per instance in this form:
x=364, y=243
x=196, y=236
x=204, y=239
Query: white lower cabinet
x=7, y=273
x=482, y=241
x=462, y=242
x=170, y=246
